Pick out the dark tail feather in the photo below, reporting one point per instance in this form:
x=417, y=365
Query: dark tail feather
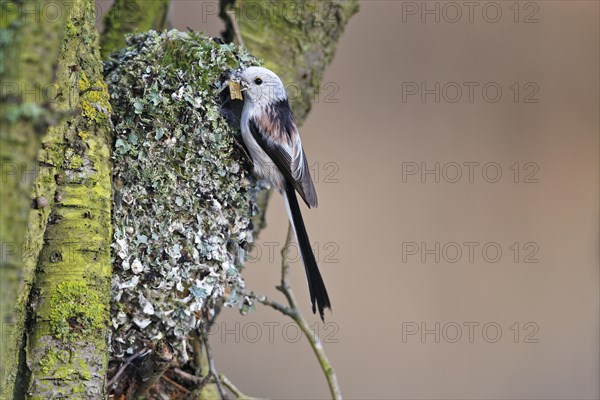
x=316, y=286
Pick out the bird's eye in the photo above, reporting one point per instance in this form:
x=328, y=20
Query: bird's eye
x=258, y=81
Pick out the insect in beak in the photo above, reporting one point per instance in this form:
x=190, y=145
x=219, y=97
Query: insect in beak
x=235, y=89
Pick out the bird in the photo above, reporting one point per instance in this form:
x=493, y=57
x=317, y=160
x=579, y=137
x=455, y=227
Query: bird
x=270, y=134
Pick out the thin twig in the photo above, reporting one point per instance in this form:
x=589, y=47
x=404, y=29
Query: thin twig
x=177, y=385
x=197, y=346
x=128, y=361
x=294, y=312
x=161, y=394
x=326, y=366
x=187, y=376
x=285, y=287
x=196, y=380
x=211, y=363
x=236, y=28
x=234, y=389
x=273, y=304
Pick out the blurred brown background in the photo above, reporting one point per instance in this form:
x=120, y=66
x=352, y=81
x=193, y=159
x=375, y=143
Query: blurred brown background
x=381, y=223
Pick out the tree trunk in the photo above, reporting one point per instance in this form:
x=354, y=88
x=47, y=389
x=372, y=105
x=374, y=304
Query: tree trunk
x=131, y=16
x=69, y=227
x=71, y=192
x=67, y=331
x=28, y=48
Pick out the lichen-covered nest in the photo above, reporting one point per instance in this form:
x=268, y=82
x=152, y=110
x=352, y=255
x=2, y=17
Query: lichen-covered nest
x=183, y=193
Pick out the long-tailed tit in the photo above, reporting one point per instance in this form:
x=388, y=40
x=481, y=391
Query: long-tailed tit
x=272, y=139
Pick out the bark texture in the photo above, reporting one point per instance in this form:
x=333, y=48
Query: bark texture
x=67, y=331
x=152, y=368
x=29, y=44
x=131, y=16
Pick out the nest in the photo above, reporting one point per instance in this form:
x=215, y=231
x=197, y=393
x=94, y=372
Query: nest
x=184, y=196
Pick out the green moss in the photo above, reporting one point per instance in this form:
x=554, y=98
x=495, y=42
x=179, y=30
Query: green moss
x=74, y=243
x=70, y=28
x=28, y=52
x=83, y=369
x=84, y=82
x=76, y=311
x=59, y=364
x=149, y=15
x=94, y=101
x=9, y=13
x=72, y=160
x=54, y=356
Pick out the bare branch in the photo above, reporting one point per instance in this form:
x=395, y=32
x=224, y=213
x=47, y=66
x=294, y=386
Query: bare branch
x=153, y=367
x=294, y=313
x=234, y=389
x=124, y=366
x=211, y=363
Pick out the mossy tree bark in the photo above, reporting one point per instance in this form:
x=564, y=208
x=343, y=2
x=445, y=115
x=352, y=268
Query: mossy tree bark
x=70, y=231
x=29, y=43
x=296, y=38
x=67, y=331
x=131, y=16
x=69, y=225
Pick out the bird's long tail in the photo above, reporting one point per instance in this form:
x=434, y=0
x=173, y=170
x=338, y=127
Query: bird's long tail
x=316, y=286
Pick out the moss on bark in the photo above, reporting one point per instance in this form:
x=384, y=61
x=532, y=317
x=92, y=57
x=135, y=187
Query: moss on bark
x=29, y=45
x=70, y=226
x=131, y=16
x=67, y=346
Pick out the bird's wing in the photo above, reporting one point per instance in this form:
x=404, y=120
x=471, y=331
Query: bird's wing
x=277, y=134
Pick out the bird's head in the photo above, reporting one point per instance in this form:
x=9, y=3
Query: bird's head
x=261, y=86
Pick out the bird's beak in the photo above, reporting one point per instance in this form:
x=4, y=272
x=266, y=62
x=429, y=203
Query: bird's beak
x=238, y=78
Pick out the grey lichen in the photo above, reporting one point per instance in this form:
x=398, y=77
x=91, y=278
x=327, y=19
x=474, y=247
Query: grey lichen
x=183, y=192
